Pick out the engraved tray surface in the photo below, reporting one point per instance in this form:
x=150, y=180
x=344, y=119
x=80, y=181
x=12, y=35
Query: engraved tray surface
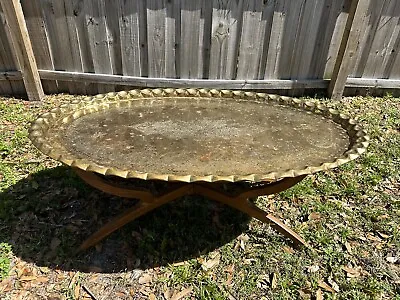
x=198, y=135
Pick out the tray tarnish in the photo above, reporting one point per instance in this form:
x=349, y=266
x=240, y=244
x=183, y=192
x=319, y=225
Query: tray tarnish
x=198, y=135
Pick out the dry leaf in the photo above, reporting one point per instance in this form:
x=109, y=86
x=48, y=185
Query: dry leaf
x=348, y=247
x=274, y=281
x=382, y=217
x=383, y=236
x=319, y=295
x=228, y=281
x=77, y=291
x=304, y=294
x=325, y=286
x=73, y=279
x=333, y=284
x=182, y=263
x=182, y=294
x=243, y=238
x=264, y=281
x=152, y=297
x=211, y=263
x=354, y=272
x=44, y=270
x=230, y=268
x=237, y=246
x=42, y=279
x=288, y=249
x=242, y=245
x=373, y=238
x=313, y=269
x=248, y=261
x=93, y=278
x=28, y=278
x=314, y=216
x=168, y=294
x=145, y=278
x=392, y=259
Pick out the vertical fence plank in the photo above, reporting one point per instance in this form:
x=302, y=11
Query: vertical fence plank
x=309, y=42
x=276, y=40
x=98, y=39
x=224, y=38
x=393, y=46
x=72, y=9
x=156, y=17
x=6, y=60
x=380, y=44
x=265, y=35
x=23, y=48
x=250, y=41
x=192, y=39
x=55, y=41
x=375, y=43
x=205, y=38
x=78, y=22
x=303, y=22
x=40, y=43
x=171, y=29
x=293, y=13
x=64, y=39
x=347, y=48
x=331, y=43
x=132, y=22
x=10, y=61
x=190, y=23
x=113, y=36
x=370, y=25
x=395, y=70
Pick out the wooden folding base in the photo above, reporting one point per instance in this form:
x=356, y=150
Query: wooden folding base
x=148, y=201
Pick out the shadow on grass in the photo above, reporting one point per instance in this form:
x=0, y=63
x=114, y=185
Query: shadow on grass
x=47, y=215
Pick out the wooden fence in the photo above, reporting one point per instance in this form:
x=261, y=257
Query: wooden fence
x=91, y=46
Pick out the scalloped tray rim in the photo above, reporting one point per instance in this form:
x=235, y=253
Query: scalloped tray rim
x=359, y=140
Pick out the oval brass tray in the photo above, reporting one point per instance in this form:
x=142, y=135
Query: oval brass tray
x=198, y=135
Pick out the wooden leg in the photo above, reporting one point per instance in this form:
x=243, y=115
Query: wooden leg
x=148, y=202
x=242, y=203
x=133, y=213
x=97, y=182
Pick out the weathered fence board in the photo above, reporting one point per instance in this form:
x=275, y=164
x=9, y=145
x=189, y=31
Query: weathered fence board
x=265, y=35
x=156, y=37
x=275, y=44
x=41, y=46
x=250, y=40
x=22, y=52
x=331, y=38
x=224, y=38
x=132, y=36
x=204, y=39
x=193, y=45
x=392, y=46
x=99, y=39
x=8, y=60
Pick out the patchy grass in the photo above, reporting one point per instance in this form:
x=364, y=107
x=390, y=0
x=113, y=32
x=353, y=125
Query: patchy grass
x=194, y=248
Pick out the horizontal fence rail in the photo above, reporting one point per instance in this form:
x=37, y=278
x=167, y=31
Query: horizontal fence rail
x=91, y=46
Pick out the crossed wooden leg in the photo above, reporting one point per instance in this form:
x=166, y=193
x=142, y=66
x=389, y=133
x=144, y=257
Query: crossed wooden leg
x=148, y=201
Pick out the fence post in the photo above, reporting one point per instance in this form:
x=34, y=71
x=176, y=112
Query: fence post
x=23, y=48
x=348, y=48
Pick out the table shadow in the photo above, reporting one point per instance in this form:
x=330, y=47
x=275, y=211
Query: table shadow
x=47, y=215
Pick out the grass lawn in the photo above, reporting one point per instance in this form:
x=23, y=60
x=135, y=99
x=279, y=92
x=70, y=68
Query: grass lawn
x=194, y=248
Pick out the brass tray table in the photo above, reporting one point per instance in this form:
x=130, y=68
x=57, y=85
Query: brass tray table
x=196, y=141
